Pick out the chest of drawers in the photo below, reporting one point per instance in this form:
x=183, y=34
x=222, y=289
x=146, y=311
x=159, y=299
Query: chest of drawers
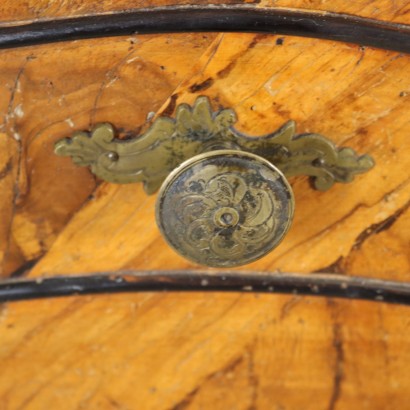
x=337, y=69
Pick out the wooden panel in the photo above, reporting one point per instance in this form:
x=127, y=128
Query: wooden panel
x=202, y=351
x=37, y=9
x=380, y=9
x=45, y=105
x=355, y=96
x=9, y=161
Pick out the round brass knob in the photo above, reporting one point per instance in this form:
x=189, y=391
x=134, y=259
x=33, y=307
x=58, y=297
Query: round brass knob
x=225, y=208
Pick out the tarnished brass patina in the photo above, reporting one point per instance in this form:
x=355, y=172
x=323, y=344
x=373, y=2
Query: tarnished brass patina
x=225, y=208
x=225, y=200
x=169, y=142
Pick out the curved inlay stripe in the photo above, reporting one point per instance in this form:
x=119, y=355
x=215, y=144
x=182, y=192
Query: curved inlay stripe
x=324, y=285
x=330, y=26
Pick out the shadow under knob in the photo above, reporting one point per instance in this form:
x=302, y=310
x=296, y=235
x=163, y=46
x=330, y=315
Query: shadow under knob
x=225, y=208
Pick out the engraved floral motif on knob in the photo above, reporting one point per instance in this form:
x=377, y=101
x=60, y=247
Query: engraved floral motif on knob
x=226, y=214
x=226, y=211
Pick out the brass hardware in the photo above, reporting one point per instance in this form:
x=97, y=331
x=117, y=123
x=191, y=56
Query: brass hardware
x=152, y=156
x=225, y=200
x=225, y=208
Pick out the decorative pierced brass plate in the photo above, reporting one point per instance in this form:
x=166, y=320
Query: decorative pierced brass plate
x=225, y=208
x=229, y=203
x=153, y=155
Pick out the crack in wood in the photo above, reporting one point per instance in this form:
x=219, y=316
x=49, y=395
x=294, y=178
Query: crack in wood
x=338, y=366
x=214, y=48
x=188, y=398
x=8, y=167
x=288, y=306
x=335, y=267
x=325, y=229
x=169, y=109
x=340, y=264
x=109, y=76
x=26, y=266
x=19, y=160
x=224, y=72
x=379, y=227
x=253, y=379
x=204, y=85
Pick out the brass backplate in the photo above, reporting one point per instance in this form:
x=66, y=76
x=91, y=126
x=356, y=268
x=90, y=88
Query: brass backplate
x=169, y=142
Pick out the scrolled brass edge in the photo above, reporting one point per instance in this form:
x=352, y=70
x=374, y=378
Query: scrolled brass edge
x=150, y=157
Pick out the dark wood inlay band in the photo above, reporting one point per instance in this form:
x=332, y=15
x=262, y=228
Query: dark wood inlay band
x=330, y=26
x=324, y=285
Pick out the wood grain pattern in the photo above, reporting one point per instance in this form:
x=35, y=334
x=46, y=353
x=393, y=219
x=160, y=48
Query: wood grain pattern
x=201, y=351
x=44, y=107
x=9, y=161
x=204, y=350
x=357, y=97
x=39, y=9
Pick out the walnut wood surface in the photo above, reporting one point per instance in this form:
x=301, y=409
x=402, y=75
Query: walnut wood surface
x=358, y=97
x=203, y=351
x=193, y=351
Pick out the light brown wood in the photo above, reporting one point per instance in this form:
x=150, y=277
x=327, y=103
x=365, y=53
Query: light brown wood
x=355, y=97
x=397, y=11
x=201, y=351
x=9, y=164
x=42, y=106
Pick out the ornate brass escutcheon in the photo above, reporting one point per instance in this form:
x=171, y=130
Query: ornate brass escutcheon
x=224, y=200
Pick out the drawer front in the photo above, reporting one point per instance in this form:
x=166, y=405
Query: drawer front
x=195, y=350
